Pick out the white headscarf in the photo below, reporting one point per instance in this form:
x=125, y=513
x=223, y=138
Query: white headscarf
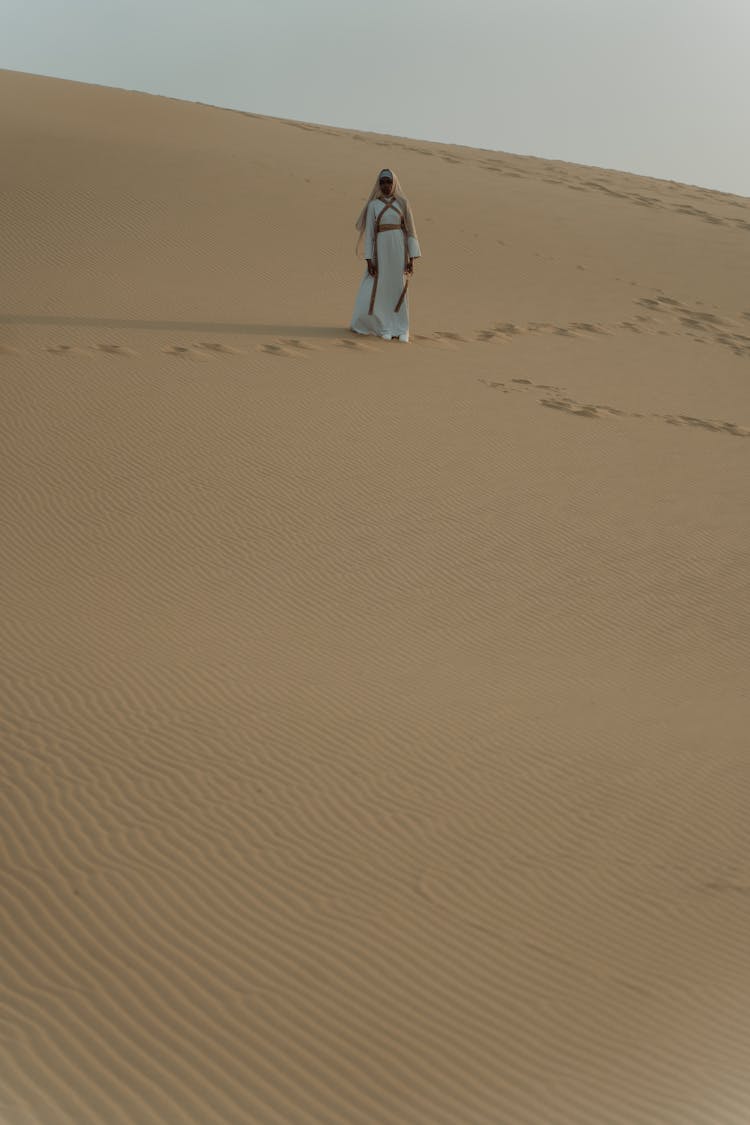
x=397, y=195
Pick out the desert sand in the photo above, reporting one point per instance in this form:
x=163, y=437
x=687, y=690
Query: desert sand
x=375, y=717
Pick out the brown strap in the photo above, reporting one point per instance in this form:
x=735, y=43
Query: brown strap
x=375, y=255
x=388, y=226
x=390, y=207
x=374, y=289
x=400, y=301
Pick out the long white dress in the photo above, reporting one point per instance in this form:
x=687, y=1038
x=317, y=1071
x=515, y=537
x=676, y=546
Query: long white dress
x=384, y=320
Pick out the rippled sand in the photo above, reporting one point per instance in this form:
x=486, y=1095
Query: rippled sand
x=374, y=718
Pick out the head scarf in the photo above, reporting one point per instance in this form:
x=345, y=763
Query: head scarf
x=397, y=195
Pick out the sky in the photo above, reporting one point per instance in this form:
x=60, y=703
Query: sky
x=656, y=87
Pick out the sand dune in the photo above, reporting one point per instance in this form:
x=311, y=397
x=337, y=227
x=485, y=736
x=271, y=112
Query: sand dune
x=375, y=721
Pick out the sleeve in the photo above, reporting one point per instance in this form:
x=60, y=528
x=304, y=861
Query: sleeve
x=370, y=231
x=412, y=240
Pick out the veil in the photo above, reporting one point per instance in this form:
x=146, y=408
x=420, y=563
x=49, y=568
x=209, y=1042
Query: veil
x=398, y=195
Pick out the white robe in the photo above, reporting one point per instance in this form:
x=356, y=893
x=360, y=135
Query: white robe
x=384, y=321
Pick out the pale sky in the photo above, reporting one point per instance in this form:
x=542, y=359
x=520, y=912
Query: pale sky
x=658, y=87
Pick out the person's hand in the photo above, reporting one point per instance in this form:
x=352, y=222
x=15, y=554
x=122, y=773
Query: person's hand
x=371, y=269
x=410, y=266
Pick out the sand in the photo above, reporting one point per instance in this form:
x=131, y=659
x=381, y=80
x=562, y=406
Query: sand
x=375, y=717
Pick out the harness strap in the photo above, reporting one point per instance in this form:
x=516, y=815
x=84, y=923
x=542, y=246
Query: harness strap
x=403, y=294
x=389, y=226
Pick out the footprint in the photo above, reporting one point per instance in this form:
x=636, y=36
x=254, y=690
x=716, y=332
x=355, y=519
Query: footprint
x=501, y=333
x=69, y=349
x=585, y=327
x=443, y=340
x=451, y=336
x=587, y=411
x=710, y=327
x=433, y=341
x=300, y=345
x=114, y=349
x=593, y=410
x=219, y=349
x=274, y=349
x=730, y=428
x=197, y=354
x=355, y=345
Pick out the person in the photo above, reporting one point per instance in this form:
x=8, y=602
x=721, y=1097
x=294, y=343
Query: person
x=387, y=226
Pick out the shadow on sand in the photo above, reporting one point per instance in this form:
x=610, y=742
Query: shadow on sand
x=297, y=330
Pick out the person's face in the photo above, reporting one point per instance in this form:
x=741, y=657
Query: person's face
x=386, y=186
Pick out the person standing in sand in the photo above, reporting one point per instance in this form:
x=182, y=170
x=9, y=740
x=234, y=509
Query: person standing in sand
x=387, y=226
